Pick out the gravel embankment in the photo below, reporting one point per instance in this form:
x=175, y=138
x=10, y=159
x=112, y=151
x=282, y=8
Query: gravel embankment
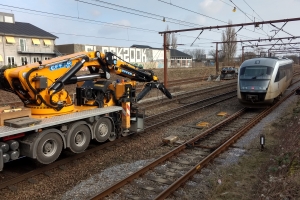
x=84, y=177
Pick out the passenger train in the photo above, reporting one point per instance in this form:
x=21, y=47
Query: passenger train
x=261, y=81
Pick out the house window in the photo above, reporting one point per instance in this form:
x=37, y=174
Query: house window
x=47, y=43
x=36, y=42
x=23, y=60
x=138, y=56
x=132, y=54
x=8, y=19
x=47, y=58
x=10, y=40
x=36, y=59
x=11, y=60
x=143, y=58
x=22, y=44
x=89, y=48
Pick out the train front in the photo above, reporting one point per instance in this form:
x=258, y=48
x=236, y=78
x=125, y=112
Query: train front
x=253, y=83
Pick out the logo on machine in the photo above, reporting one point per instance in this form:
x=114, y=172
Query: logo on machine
x=66, y=64
x=127, y=72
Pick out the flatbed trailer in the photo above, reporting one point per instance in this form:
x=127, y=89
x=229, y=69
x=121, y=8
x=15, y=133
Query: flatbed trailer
x=53, y=120
x=41, y=141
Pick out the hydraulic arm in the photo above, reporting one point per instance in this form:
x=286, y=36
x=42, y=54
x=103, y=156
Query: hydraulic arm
x=41, y=86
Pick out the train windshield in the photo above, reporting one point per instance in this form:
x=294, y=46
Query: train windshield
x=256, y=72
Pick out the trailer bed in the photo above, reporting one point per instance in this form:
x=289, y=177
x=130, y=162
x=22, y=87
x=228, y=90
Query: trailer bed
x=47, y=122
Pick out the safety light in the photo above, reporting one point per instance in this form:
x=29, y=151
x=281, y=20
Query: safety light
x=234, y=9
x=262, y=141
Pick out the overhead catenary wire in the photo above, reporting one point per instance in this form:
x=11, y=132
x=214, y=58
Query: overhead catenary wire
x=253, y=10
x=83, y=20
x=247, y=16
x=203, y=15
x=263, y=20
x=189, y=24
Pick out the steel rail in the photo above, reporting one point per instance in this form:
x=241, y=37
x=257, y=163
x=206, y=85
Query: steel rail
x=219, y=150
x=198, y=166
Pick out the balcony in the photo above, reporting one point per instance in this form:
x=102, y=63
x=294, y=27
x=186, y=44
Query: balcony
x=35, y=50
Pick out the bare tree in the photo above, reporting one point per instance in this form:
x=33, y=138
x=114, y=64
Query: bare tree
x=197, y=54
x=168, y=37
x=229, y=48
x=249, y=55
x=213, y=54
x=174, y=41
x=171, y=40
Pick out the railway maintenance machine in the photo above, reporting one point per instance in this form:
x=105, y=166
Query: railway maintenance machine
x=100, y=109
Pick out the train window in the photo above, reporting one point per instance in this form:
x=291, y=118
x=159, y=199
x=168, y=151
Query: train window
x=256, y=72
x=277, y=76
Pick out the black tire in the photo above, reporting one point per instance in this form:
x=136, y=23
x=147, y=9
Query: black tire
x=49, y=148
x=80, y=138
x=102, y=129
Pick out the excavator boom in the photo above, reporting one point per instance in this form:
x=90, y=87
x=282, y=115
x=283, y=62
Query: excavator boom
x=41, y=85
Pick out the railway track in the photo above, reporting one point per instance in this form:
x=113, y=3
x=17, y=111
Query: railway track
x=183, y=96
x=173, y=83
x=150, y=123
x=179, y=112
x=165, y=175
x=29, y=175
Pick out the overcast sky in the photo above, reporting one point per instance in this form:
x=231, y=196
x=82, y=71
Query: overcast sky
x=127, y=22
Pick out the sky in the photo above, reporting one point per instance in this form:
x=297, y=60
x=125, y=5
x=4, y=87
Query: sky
x=123, y=23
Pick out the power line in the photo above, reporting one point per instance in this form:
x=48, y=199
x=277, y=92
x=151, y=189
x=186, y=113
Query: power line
x=72, y=17
x=202, y=15
x=185, y=23
x=231, y=6
x=142, y=12
x=271, y=24
x=160, y=19
x=85, y=20
x=247, y=16
x=91, y=36
x=253, y=10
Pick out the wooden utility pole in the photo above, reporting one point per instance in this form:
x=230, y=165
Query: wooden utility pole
x=165, y=61
x=217, y=62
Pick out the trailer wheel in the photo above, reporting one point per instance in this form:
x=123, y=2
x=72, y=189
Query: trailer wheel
x=80, y=138
x=102, y=129
x=49, y=148
x=112, y=137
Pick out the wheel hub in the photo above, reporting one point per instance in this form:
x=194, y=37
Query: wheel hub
x=80, y=138
x=103, y=129
x=49, y=148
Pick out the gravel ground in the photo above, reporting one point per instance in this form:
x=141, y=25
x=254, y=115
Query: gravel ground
x=95, y=184
x=233, y=154
x=242, y=144
x=107, y=166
